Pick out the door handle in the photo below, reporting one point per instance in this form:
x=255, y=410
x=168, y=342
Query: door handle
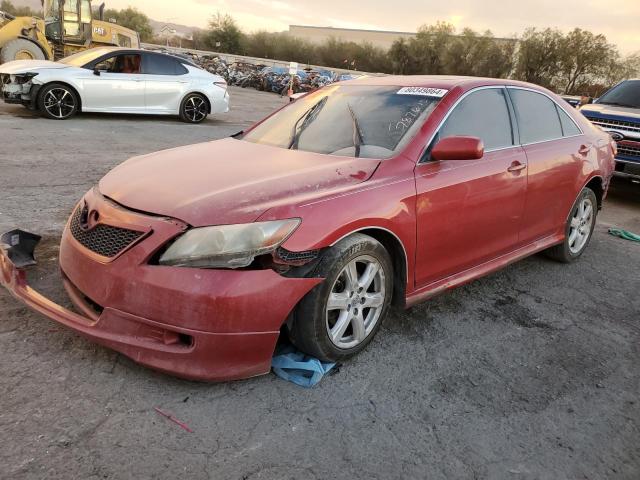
x=138, y=80
x=516, y=166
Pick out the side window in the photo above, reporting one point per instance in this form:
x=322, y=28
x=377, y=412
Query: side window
x=128, y=63
x=85, y=11
x=483, y=114
x=124, y=41
x=106, y=65
x=163, y=65
x=71, y=19
x=538, y=118
x=569, y=127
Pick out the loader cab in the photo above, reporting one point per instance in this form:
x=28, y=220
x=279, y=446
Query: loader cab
x=68, y=21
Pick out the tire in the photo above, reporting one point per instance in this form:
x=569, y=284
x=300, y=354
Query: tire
x=20, y=49
x=194, y=108
x=578, y=229
x=58, y=101
x=352, y=324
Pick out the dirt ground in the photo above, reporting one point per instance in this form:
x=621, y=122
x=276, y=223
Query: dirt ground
x=530, y=373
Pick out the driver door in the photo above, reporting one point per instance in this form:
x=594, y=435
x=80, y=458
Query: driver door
x=469, y=211
x=119, y=87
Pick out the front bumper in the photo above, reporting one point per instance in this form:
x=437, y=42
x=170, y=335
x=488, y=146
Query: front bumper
x=19, y=93
x=210, y=325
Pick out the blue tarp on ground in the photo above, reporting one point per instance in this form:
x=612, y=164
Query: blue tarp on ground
x=296, y=367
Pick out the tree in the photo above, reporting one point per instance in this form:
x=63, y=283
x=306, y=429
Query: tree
x=430, y=46
x=400, y=56
x=131, y=18
x=224, y=35
x=8, y=7
x=583, y=55
x=539, y=56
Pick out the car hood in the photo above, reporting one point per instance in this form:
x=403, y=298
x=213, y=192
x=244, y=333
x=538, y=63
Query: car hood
x=611, y=110
x=24, y=66
x=228, y=181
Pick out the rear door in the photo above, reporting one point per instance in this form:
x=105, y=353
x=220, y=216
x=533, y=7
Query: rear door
x=469, y=211
x=556, y=149
x=166, y=83
x=119, y=87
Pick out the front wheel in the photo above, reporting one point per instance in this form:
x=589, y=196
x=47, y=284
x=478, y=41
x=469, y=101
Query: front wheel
x=339, y=317
x=58, y=101
x=578, y=229
x=194, y=108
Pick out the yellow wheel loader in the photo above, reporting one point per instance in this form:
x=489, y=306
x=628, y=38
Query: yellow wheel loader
x=67, y=27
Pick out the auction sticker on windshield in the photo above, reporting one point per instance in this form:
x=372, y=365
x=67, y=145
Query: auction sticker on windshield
x=423, y=91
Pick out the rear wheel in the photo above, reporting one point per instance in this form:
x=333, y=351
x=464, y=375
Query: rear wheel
x=20, y=49
x=339, y=317
x=194, y=108
x=58, y=101
x=578, y=229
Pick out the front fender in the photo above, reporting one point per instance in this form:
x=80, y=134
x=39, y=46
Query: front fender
x=387, y=205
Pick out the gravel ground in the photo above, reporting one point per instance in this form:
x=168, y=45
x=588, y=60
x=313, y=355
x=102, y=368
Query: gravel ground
x=530, y=373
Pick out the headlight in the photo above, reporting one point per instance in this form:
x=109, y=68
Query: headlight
x=227, y=246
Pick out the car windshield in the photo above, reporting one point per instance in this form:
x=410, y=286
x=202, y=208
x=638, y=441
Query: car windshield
x=626, y=94
x=82, y=58
x=349, y=120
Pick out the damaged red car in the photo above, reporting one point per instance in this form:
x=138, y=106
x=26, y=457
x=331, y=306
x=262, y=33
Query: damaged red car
x=360, y=196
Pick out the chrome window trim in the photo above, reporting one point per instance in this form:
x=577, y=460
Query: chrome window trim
x=504, y=87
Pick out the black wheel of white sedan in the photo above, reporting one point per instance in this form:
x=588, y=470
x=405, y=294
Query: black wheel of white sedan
x=578, y=229
x=58, y=101
x=339, y=317
x=194, y=109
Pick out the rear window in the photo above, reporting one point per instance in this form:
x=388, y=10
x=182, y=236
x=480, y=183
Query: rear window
x=163, y=65
x=349, y=120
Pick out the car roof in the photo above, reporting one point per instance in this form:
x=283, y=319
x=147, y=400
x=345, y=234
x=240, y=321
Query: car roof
x=436, y=81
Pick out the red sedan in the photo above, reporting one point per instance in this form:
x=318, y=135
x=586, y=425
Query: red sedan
x=359, y=196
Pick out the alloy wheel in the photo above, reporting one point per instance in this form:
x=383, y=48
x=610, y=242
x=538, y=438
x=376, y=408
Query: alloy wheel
x=195, y=109
x=59, y=102
x=355, y=302
x=580, y=225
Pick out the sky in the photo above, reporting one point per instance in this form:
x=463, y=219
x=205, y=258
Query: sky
x=619, y=20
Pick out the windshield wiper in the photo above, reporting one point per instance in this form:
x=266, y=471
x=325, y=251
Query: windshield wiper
x=357, y=133
x=307, y=118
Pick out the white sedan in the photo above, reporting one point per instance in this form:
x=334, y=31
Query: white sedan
x=115, y=80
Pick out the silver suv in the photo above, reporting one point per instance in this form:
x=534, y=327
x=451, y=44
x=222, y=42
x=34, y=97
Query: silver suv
x=618, y=112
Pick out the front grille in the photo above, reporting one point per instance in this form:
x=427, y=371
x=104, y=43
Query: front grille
x=617, y=124
x=105, y=240
x=629, y=151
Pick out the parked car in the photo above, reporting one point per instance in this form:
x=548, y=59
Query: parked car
x=115, y=80
x=377, y=192
x=618, y=112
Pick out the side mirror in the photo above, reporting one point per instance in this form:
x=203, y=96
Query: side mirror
x=96, y=71
x=458, y=148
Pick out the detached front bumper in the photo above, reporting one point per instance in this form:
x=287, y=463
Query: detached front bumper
x=219, y=350
x=19, y=93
